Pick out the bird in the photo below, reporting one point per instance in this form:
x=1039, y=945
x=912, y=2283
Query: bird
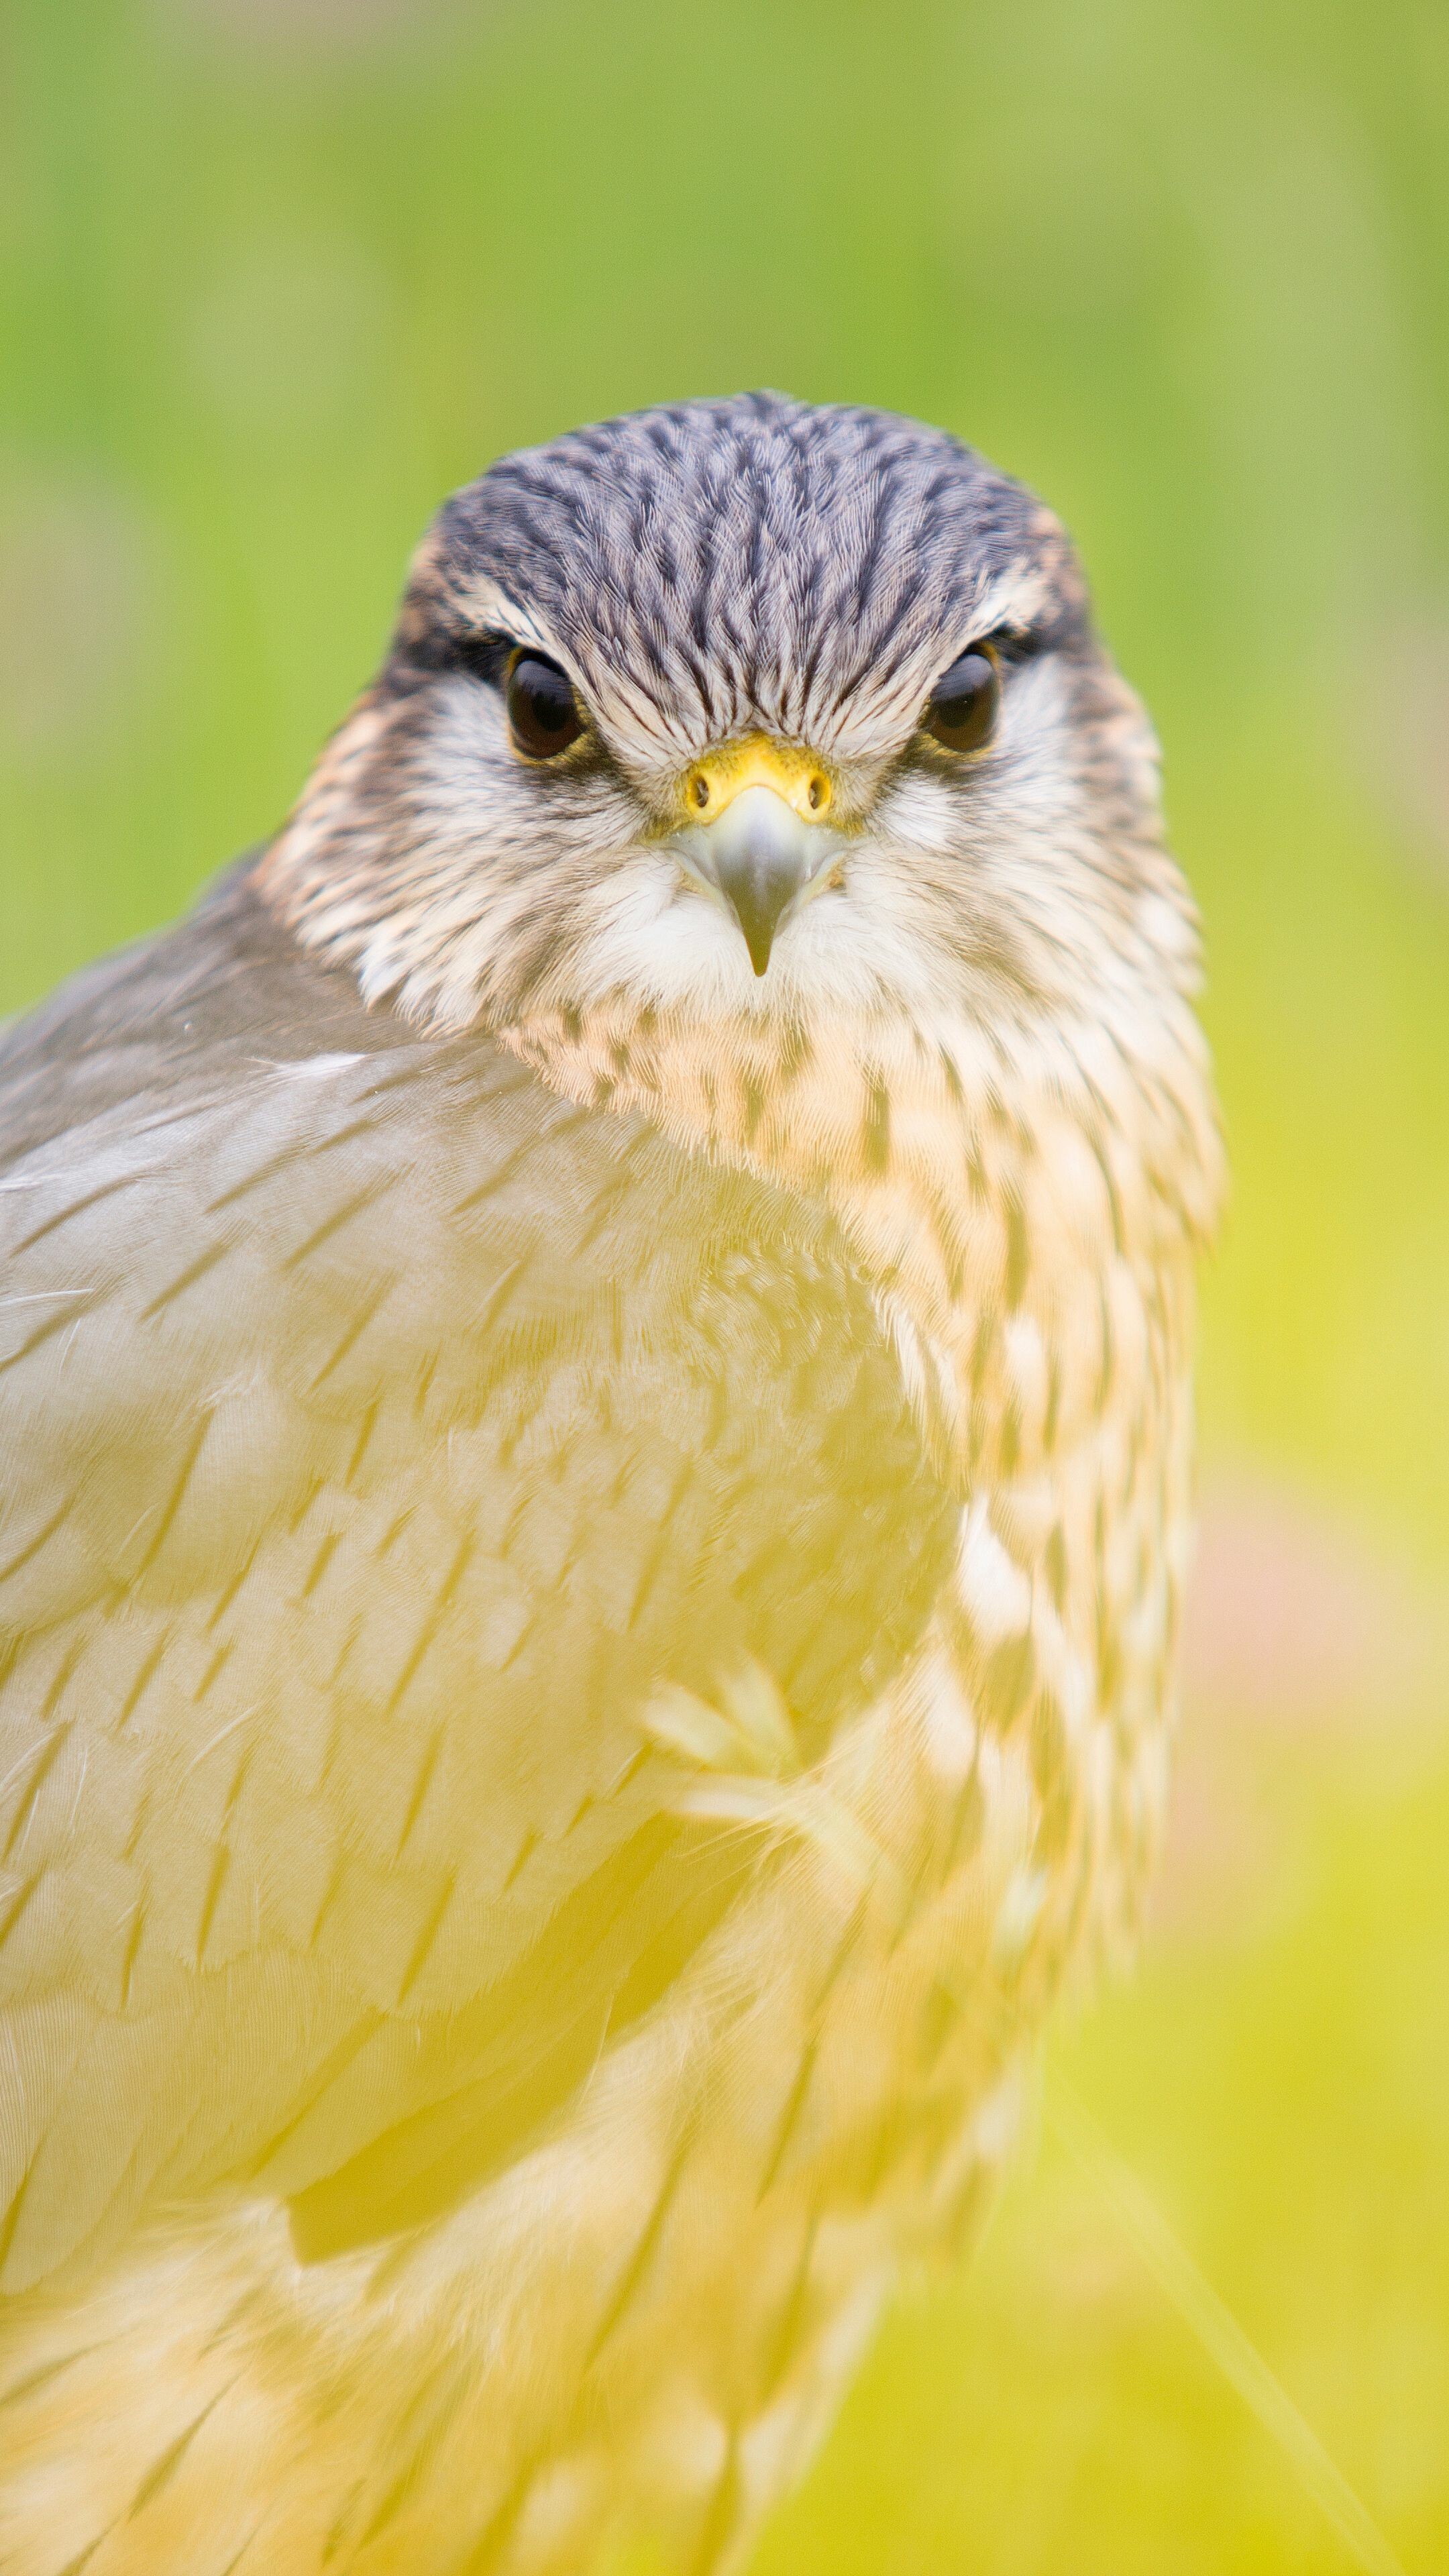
x=595, y=1432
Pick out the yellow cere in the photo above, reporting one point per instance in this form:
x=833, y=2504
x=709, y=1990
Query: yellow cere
x=757, y=760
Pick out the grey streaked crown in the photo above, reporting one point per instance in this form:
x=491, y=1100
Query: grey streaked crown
x=755, y=556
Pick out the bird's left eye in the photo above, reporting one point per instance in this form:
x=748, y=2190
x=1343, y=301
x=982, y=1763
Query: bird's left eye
x=542, y=709
x=961, y=710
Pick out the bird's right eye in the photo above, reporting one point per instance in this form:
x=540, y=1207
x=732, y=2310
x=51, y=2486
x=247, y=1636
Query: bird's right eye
x=542, y=709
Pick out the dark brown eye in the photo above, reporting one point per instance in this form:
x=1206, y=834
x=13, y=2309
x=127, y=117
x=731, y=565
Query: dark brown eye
x=542, y=708
x=961, y=710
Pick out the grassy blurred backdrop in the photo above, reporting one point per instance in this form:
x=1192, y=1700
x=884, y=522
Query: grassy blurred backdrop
x=274, y=274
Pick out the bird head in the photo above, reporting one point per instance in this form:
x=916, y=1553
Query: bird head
x=747, y=710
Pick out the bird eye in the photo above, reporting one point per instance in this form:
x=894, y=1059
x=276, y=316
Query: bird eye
x=961, y=710
x=542, y=708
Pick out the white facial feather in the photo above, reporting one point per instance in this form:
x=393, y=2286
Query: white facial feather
x=461, y=884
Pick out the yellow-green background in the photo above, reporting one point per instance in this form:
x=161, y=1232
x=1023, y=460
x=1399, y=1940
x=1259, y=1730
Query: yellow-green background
x=274, y=274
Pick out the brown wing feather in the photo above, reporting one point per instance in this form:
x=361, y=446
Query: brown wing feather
x=376, y=1432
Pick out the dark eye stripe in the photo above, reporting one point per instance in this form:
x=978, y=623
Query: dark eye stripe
x=484, y=657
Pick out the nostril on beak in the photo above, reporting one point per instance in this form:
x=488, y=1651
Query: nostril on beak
x=758, y=853
x=761, y=852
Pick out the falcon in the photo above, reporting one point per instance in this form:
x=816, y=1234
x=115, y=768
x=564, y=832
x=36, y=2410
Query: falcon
x=594, y=1435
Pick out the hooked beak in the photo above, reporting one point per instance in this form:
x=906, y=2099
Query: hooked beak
x=766, y=847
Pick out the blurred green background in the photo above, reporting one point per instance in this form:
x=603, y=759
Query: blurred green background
x=276, y=274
